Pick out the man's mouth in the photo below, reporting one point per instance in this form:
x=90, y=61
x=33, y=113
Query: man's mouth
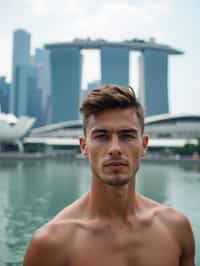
x=115, y=164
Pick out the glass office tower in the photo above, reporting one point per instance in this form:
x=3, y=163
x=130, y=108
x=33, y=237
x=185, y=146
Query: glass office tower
x=21, y=57
x=26, y=80
x=154, y=82
x=4, y=95
x=65, y=81
x=115, y=65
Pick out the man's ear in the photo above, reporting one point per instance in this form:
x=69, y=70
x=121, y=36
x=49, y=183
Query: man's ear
x=83, y=146
x=145, y=144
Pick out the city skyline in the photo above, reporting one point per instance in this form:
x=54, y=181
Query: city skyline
x=170, y=22
x=66, y=71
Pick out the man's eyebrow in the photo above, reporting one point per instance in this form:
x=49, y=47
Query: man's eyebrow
x=129, y=130
x=120, y=131
x=99, y=130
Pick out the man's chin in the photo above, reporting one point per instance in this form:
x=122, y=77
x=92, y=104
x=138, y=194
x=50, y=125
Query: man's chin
x=120, y=183
x=113, y=181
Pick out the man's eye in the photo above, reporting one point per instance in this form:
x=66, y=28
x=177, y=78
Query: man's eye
x=101, y=136
x=128, y=136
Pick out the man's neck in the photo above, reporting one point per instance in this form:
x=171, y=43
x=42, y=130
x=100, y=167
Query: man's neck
x=106, y=201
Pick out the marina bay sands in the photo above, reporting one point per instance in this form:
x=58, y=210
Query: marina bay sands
x=66, y=73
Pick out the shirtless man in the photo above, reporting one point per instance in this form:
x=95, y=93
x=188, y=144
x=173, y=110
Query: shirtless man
x=113, y=225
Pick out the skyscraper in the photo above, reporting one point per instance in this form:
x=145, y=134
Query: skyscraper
x=21, y=57
x=154, y=81
x=34, y=108
x=41, y=61
x=28, y=94
x=66, y=63
x=65, y=83
x=4, y=95
x=115, y=65
x=141, y=80
x=93, y=84
x=26, y=77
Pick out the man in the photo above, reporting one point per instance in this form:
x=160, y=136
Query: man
x=112, y=225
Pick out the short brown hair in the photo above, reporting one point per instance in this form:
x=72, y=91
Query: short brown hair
x=108, y=97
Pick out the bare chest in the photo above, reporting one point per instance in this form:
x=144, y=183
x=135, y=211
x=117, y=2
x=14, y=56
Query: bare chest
x=124, y=248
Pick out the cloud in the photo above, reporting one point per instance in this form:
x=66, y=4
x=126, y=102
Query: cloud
x=120, y=20
x=91, y=17
x=39, y=7
x=63, y=20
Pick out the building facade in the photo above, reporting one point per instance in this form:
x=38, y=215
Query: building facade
x=21, y=57
x=66, y=64
x=153, y=69
x=115, y=65
x=66, y=83
x=26, y=81
x=4, y=95
x=41, y=61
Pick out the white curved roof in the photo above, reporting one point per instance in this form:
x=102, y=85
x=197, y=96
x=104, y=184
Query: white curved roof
x=74, y=127
x=9, y=118
x=10, y=132
x=165, y=117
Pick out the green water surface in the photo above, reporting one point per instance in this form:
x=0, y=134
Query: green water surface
x=32, y=192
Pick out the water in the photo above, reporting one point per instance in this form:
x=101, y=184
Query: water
x=31, y=192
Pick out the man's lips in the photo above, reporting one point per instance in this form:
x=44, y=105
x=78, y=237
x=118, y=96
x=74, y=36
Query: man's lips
x=115, y=163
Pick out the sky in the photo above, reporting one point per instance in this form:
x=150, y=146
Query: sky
x=172, y=22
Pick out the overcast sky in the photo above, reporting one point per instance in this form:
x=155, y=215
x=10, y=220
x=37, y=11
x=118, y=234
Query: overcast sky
x=172, y=22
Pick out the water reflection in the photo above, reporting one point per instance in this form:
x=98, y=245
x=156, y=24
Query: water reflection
x=32, y=192
x=153, y=181
x=190, y=166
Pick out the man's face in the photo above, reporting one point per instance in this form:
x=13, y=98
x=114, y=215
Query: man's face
x=114, y=145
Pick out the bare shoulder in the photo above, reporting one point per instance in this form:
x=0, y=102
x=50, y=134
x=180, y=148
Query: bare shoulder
x=50, y=244
x=45, y=247
x=174, y=220
x=175, y=223
x=169, y=216
x=179, y=225
x=166, y=214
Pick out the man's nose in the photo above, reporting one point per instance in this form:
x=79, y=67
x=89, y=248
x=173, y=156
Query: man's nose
x=115, y=148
